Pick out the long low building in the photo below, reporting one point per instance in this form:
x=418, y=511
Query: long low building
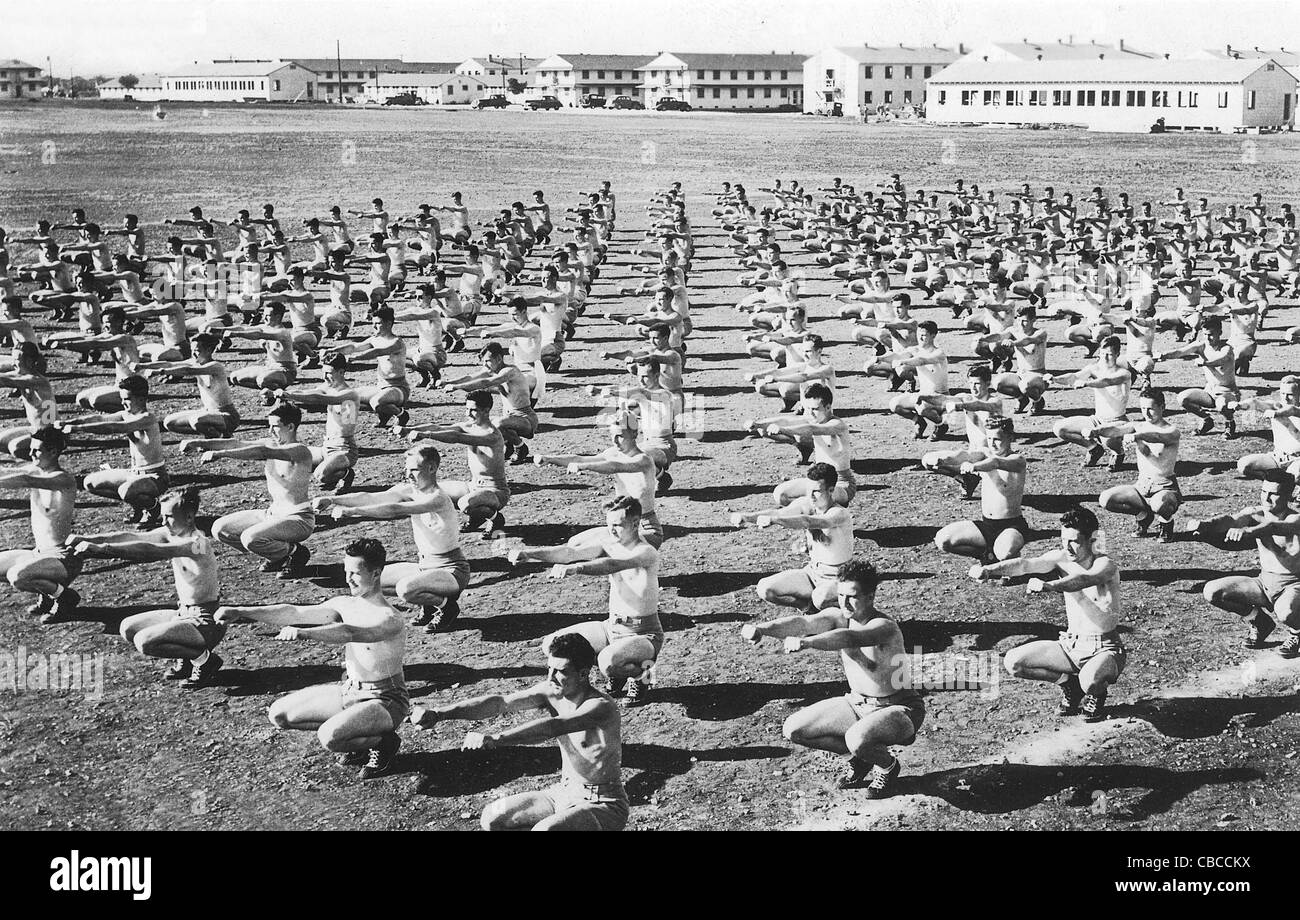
x=432, y=88
x=240, y=81
x=148, y=88
x=1123, y=95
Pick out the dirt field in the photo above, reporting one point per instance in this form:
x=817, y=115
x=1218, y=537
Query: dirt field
x=1202, y=734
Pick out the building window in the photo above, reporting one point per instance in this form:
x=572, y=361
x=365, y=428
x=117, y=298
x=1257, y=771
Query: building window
x=749, y=75
x=277, y=86
x=767, y=92
x=1193, y=100
x=735, y=75
x=767, y=75
x=943, y=97
x=1013, y=97
x=867, y=98
x=329, y=75
x=1223, y=100
x=1250, y=104
x=928, y=70
x=889, y=96
x=785, y=92
x=785, y=75
x=751, y=92
x=600, y=75
x=1033, y=97
x=967, y=97
x=907, y=73
x=1142, y=98
x=1130, y=98
x=735, y=93
x=373, y=74
x=889, y=72
x=1180, y=98
x=717, y=74
x=618, y=75
x=699, y=75
x=868, y=71
x=717, y=92
x=907, y=95
x=699, y=93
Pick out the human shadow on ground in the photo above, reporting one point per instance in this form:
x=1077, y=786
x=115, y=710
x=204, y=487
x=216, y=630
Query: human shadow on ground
x=438, y=676
x=994, y=789
x=1205, y=717
x=724, y=493
x=906, y=535
x=710, y=584
x=276, y=680
x=659, y=763
x=722, y=702
x=930, y=636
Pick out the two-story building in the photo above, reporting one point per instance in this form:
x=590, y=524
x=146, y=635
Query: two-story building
x=872, y=78
x=752, y=82
x=19, y=80
x=341, y=80
x=497, y=71
x=570, y=77
x=432, y=88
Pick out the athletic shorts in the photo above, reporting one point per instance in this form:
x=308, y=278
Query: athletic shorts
x=605, y=804
x=1081, y=649
x=158, y=475
x=200, y=617
x=232, y=419
x=908, y=702
x=71, y=563
x=521, y=421
x=438, y=354
x=1150, y=488
x=643, y=627
x=662, y=451
x=389, y=692
x=992, y=528
x=1274, y=585
x=453, y=562
x=824, y=578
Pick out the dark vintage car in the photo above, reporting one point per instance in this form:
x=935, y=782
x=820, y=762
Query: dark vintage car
x=594, y=102
x=626, y=102
x=495, y=101
x=545, y=102
x=672, y=105
x=404, y=99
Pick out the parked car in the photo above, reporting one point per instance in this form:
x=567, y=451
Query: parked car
x=626, y=102
x=672, y=105
x=495, y=101
x=545, y=102
x=405, y=99
x=594, y=102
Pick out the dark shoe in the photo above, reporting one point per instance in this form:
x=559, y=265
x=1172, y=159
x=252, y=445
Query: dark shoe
x=382, y=758
x=1117, y=460
x=1095, y=453
x=856, y=775
x=403, y=418
x=64, y=605
x=151, y=517
x=275, y=565
x=1291, y=647
x=1165, y=531
x=296, y=564
x=617, y=686
x=1230, y=429
x=351, y=758
x=439, y=618
x=1039, y=405
x=42, y=608
x=805, y=452
x=1093, y=706
x=939, y=431
x=895, y=382
x=878, y=785
x=179, y=670
x=920, y=429
x=202, y=675
x=346, y=482
x=521, y=455
x=664, y=483
x=1144, y=522
x=1206, y=426
x=1071, y=697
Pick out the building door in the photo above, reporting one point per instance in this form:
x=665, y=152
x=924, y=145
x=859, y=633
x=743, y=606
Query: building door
x=1286, y=107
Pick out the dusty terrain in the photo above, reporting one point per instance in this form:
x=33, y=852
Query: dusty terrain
x=1202, y=734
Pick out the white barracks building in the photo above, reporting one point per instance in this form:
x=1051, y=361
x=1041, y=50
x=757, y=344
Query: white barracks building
x=1104, y=94
x=240, y=81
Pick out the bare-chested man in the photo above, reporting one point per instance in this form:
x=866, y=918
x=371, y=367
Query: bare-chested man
x=358, y=718
x=1156, y=496
x=1001, y=531
x=881, y=709
x=518, y=420
x=334, y=462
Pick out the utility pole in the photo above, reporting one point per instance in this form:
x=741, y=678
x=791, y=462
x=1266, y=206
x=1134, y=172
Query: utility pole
x=338, y=58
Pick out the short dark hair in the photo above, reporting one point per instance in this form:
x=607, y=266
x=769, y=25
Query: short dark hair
x=861, y=572
x=572, y=647
x=481, y=399
x=491, y=348
x=287, y=413
x=823, y=473
x=819, y=391
x=929, y=326
x=1080, y=519
x=187, y=498
x=980, y=372
x=427, y=454
x=1212, y=323
x=207, y=341
x=135, y=385
x=630, y=506
x=1156, y=396
x=51, y=437
x=368, y=550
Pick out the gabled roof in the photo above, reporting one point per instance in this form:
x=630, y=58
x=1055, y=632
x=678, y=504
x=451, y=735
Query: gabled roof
x=15, y=64
x=1281, y=56
x=410, y=78
x=234, y=68
x=1107, y=71
x=331, y=65
x=897, y=54
x=499, y=60
x=1066, y=51
x=606, y=61
x=707, y=61
x=147, y=81
x=422, y=67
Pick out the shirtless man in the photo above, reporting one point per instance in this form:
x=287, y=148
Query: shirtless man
x=881, y=709
x=387, y=397
x=928, y=362
x=39, y=402
x=628, y=643
x=1029, y=349
x=485, y=495
x=1156, y=496
x=48, y=568
x=1283, y=413
x=279, y=533
x=436, y=582
x=585, y=724
x=1274, y=594
x=146, y=479
x=633, y=471
x=982, y=409
x=518, y=420
x=656, y=409
x=357, y=718
x=334, y=462
x=1217, y=359
x=1088, y=657
x=279, y=369
x=827, y=538
x=218, y=417
x=431, y=351
x=1001, y=531
x=818, y=434
x=1111, y=382
x=187, y=633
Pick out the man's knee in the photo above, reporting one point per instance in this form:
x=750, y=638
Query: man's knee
x=794, y=730
x=494, y=818
x=278, y=715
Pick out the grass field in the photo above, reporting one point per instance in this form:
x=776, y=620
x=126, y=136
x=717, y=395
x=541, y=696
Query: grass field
x=1200, y=730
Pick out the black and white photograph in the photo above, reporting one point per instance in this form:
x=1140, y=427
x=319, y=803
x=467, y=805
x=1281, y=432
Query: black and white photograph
x=739, y=415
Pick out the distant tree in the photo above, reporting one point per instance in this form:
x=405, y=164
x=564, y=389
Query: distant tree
x=516, y=86
x=129, y=81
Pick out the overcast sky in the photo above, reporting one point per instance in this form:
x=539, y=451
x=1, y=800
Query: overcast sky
x=112, y=37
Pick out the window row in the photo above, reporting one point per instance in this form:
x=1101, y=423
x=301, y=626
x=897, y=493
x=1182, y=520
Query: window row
x=751, y=93
x=223, y=84
x=1112, y=98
